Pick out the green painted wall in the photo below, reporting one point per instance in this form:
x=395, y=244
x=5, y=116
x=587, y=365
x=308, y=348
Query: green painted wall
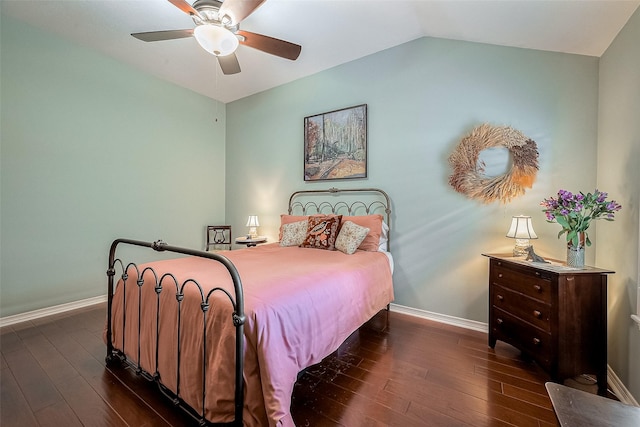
x=422, y=98
x=619, y=173
x=93, y=150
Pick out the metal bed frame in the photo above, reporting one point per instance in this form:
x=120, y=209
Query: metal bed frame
x=238, y=319
x=169, y=281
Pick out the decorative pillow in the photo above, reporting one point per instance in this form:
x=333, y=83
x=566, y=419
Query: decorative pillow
x=374, y=224
x=288, y=219
x=294, y=233
x=322, y=232
x=350, y=237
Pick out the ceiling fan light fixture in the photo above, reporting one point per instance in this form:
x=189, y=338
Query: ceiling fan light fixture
x=216, y=40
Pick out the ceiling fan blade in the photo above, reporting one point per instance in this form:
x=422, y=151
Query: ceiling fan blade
x=185, y=7
x=270, y=45
x=156, y=36
x=229, y=64
x=237, y=10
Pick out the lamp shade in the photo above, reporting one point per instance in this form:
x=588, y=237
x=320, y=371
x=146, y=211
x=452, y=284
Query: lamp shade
x=521, y=228
x=216, y=40
x=253, y=221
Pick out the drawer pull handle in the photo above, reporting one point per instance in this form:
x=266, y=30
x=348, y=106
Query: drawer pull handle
x=536, y=341
x=500, y=298
x=537, y=314
x=500, y=275
x=499, y=321
x=538, y=288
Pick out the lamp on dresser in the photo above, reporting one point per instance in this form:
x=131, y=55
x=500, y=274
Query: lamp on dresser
x=522, y=230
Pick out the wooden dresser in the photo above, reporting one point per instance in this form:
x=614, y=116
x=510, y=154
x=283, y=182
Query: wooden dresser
x=553, y=314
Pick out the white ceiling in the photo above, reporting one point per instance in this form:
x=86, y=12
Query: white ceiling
x=331, y=32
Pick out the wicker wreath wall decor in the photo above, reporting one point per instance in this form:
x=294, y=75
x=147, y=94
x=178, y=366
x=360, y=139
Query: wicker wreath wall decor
x=468, y=176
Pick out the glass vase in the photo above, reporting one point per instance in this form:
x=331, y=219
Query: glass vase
x=575, y=254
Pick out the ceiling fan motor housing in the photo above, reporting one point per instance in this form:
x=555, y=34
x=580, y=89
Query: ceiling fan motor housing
x=209, y=11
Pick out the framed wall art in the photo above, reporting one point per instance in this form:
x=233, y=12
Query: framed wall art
x=335, y=144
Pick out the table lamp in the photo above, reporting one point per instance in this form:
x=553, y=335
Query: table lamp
x=253, y=223
x=522, y=230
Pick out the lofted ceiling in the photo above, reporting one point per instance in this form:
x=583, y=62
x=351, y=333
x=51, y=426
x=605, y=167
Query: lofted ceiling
x=331, y=32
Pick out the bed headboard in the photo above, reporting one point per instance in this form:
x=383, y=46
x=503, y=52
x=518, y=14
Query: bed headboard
x=347, y=202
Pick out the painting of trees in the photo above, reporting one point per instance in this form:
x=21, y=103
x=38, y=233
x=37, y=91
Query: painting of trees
x=335, y=144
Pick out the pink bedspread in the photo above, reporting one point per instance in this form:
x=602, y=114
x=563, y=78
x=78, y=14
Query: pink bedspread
x=300, y=304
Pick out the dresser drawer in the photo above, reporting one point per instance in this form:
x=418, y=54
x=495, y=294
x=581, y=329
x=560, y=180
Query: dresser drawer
x=534, y=342
x=528, y=282
x=528, y=309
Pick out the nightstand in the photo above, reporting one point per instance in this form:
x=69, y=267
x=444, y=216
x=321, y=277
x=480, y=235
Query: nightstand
x=250, y=242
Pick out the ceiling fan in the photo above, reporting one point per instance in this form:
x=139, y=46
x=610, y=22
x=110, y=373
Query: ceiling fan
x=218, y=32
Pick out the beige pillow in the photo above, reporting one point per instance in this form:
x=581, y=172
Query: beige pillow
x=287, y=219
x=374, y=224
x=294, y=233
x=350, y=237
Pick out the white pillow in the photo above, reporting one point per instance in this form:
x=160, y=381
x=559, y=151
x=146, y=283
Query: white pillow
x=350, y=237
x=384, y=238
x=294, y=233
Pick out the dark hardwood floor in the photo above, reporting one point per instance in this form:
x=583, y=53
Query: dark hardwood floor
x=400, y=371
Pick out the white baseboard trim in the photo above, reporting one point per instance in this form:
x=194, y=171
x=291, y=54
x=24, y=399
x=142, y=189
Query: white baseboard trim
x=442, y=318
x=617, y=387
x=48, y=311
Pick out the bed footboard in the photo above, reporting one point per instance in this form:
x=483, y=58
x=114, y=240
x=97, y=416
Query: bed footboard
x=171, y=284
